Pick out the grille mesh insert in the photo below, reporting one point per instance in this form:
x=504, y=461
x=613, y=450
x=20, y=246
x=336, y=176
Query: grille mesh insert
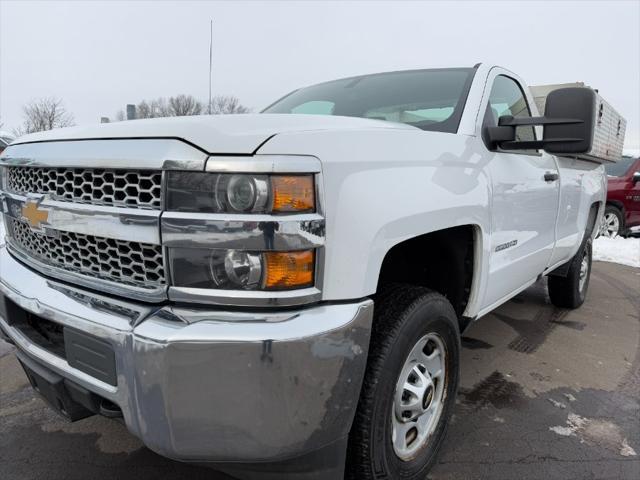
x=119, y=188
x=130, y=263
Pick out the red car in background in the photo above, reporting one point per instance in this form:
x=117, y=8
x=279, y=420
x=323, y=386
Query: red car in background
x=623, y=198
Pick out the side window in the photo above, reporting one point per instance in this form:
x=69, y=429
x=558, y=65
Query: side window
x=506, y=98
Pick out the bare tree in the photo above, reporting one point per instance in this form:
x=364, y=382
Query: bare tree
x=224, y=104
x=44, y=114
x=177, y=106
x=153, y=109
x=143, y=110
x=183, y=105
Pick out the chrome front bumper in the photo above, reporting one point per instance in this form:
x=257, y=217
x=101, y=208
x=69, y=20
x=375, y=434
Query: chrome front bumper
x=201, y=384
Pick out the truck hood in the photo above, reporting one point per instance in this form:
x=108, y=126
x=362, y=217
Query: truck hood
x=215, y=134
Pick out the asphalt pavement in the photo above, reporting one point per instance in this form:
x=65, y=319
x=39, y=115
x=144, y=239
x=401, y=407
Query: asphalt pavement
x=545, y=394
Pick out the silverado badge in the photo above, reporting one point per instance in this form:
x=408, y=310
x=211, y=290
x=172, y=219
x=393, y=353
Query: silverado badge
x=34, y=215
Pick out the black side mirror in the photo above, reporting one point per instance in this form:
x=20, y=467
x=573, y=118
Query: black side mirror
x=636, y=178
x=568, y=124
x=575, y=103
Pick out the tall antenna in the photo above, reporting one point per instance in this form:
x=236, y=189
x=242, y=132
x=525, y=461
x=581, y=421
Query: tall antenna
x=210, y=61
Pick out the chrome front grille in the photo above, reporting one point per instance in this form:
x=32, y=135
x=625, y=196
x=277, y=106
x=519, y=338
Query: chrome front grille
x=88, y=212
x=125, y=262
x=119, y=188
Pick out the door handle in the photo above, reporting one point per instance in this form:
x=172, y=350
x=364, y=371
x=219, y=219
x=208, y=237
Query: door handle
x=550, y=176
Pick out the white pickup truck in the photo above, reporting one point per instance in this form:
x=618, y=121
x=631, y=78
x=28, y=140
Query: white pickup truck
x=281, y=295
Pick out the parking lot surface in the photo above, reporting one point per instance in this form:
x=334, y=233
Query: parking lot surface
x=545, y=394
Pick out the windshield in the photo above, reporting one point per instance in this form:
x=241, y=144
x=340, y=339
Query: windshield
x=619, y=169
x=427, y=99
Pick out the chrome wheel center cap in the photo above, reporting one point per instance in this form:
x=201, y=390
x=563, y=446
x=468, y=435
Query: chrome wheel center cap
x=427, y=398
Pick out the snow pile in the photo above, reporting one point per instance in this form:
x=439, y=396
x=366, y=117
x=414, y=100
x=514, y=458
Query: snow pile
x=618, y=250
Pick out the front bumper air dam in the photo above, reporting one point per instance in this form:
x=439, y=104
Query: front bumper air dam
x=204, y=385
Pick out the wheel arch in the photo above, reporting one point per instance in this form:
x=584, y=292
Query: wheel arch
x=619, y=205
x=423, y=259
x=595, y=211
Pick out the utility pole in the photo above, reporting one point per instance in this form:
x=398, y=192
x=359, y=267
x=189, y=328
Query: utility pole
x=210, y=61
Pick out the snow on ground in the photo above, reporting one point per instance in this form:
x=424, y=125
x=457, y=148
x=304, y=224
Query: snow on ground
x=618, y=250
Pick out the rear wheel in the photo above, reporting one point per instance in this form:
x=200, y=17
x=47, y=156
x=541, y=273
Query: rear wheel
x=612, y=222
x=409, y=387
x=571, y=291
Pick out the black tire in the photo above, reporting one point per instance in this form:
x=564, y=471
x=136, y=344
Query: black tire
x=403, y=314
x=565, y=292
x=613, y=210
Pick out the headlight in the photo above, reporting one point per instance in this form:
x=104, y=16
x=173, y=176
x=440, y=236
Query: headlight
x=246, y=193
x=238, y=269
x=241, y=270
x=240, y=193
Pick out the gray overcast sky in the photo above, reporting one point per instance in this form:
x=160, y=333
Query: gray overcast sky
x=98, y=56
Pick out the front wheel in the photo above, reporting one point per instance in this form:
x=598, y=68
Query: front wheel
x=409, y=388
x=571, y=291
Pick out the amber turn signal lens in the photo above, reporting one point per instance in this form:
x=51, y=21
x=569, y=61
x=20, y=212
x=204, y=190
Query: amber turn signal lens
x=286, y=270
x=293, y=193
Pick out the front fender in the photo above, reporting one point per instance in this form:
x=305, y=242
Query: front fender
x=384, y=187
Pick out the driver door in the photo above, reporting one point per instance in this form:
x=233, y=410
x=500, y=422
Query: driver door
x=525, y=197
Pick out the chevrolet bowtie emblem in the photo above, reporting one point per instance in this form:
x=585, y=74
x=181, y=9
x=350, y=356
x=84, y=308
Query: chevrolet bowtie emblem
x=32, y=214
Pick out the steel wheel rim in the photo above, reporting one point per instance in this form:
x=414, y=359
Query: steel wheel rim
x=419, y=396
x=584, y=271
x=610, y=225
